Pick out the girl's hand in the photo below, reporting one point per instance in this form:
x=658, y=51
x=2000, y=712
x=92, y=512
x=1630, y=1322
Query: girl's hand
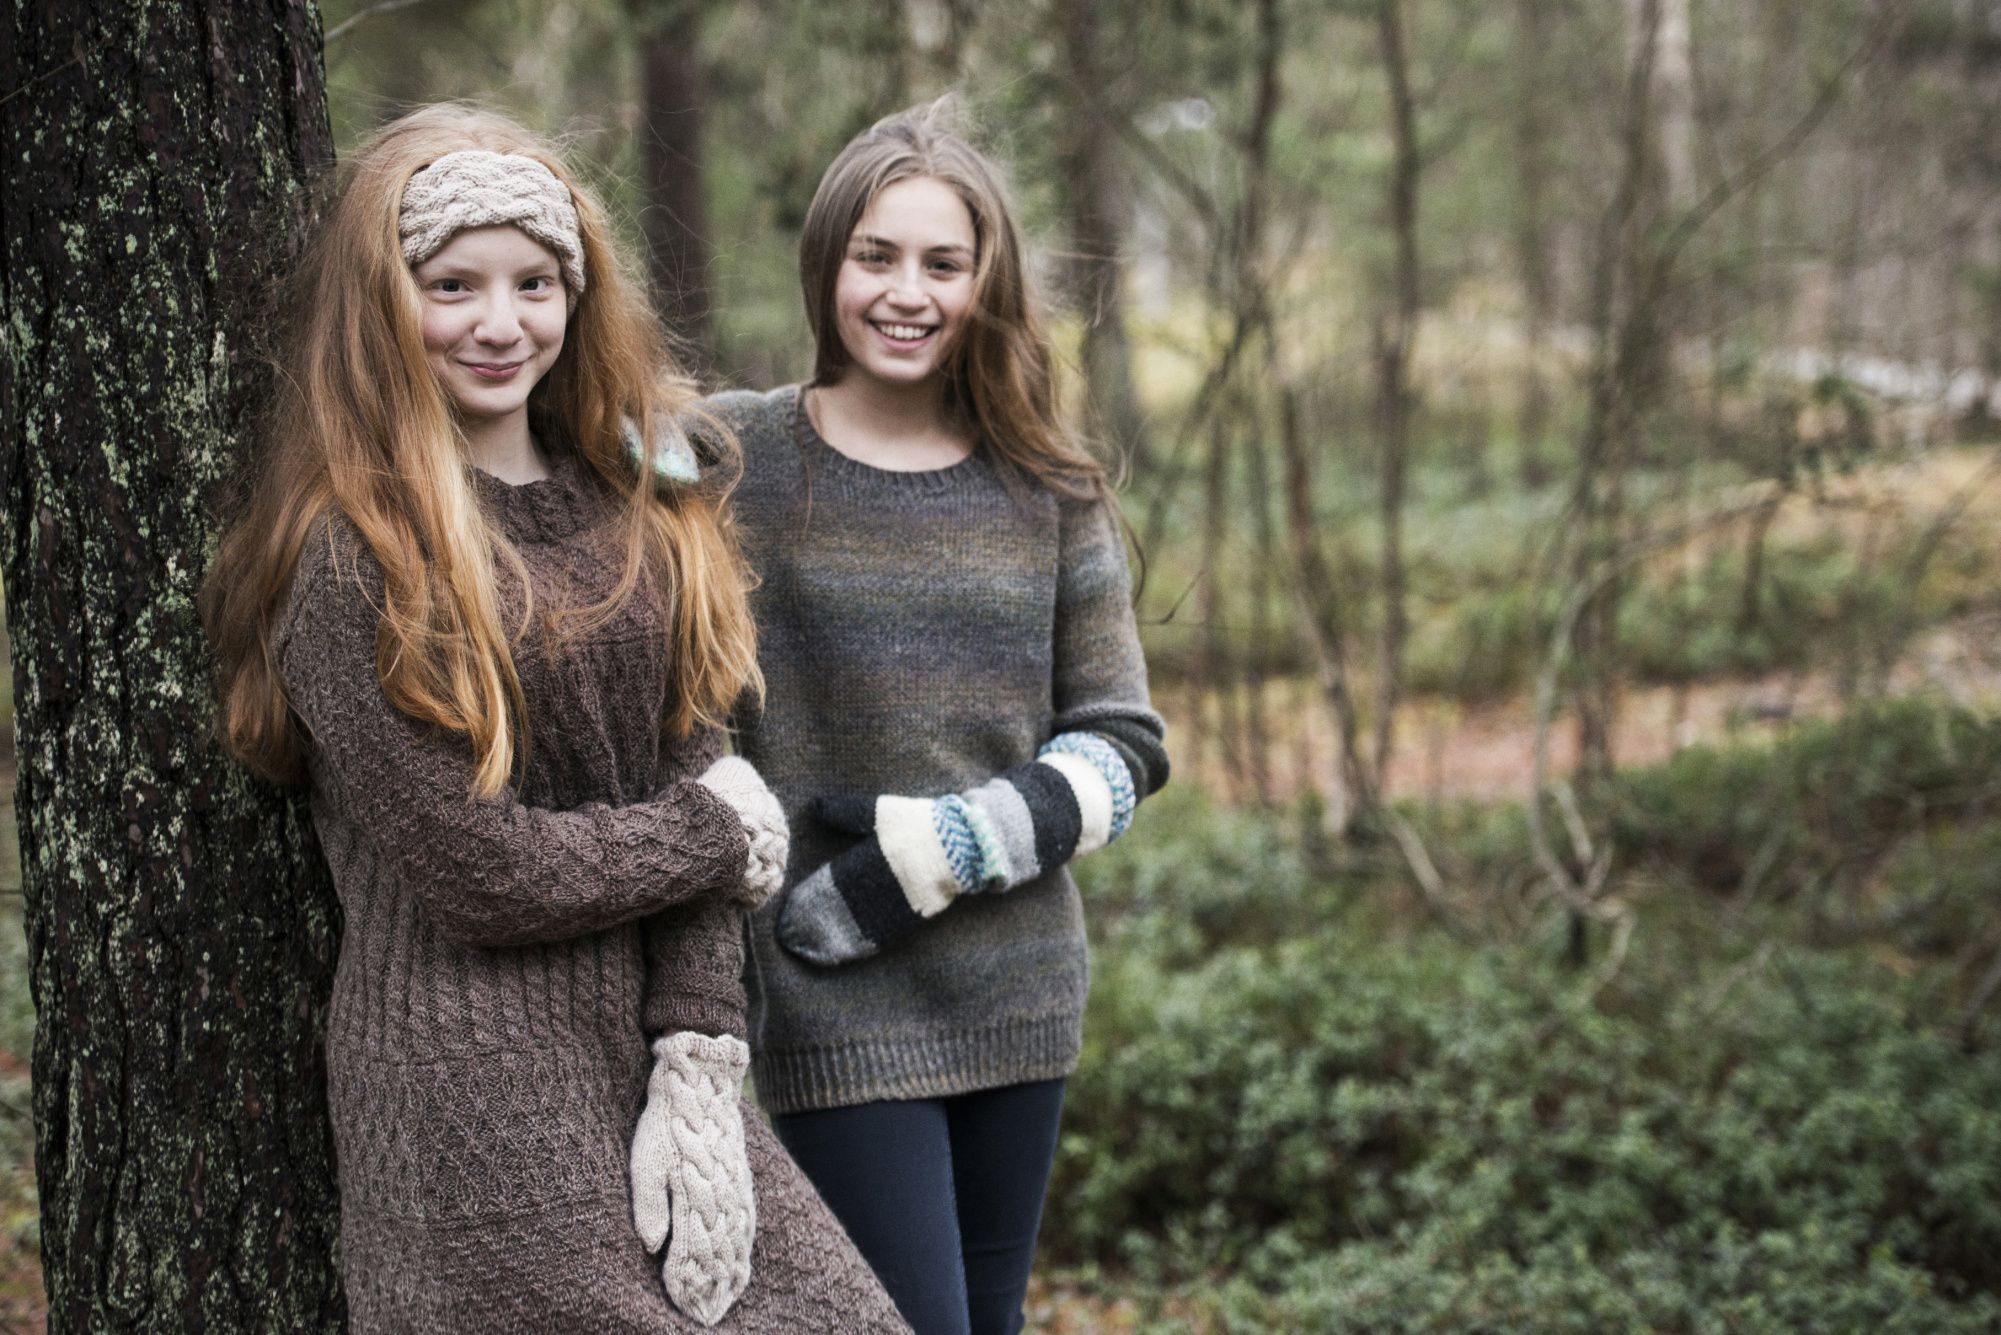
x=733, y=779
x=691, y=1184
x=919, y=854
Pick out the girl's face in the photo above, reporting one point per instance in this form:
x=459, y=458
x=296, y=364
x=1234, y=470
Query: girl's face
x=906, y=282
x=494, y=313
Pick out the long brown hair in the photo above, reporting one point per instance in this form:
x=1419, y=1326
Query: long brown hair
x=1000, y=382
x=359, y=424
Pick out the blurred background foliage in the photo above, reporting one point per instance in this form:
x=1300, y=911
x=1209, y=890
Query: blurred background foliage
x=1562, y=437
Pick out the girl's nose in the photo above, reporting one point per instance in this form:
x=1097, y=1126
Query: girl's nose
x=499, y=324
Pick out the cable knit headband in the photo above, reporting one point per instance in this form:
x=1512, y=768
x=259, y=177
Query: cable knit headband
x=477, y=188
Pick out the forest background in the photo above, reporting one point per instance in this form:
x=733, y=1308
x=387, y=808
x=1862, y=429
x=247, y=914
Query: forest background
x=1562, y=438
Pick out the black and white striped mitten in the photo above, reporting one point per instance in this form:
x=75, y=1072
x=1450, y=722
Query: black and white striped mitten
x=918, y=854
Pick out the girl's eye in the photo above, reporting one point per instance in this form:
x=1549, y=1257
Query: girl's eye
x=871, y=257
x=539, y=283
x=945, y=267
x=450, y=287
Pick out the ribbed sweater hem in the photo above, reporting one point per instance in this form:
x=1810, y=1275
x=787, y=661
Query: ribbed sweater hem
x=923, y=1066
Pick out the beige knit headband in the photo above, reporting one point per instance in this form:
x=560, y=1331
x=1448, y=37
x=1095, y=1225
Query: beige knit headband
x=477, y=188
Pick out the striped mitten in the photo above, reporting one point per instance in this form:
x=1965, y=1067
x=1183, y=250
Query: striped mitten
x=918, y=854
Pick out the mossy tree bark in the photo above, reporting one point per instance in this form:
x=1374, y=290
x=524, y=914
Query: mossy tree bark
x=181, y=929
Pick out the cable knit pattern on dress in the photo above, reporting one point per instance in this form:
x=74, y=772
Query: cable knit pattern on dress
x=502, y=959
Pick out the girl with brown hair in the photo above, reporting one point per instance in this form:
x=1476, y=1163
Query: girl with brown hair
x=458, y=608
x=957, y=706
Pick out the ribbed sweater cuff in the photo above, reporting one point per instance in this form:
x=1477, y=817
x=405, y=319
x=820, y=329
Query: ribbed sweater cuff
x=714, y=1015
x=924, y=1066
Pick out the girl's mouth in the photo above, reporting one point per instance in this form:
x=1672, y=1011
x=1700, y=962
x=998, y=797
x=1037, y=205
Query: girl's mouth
x=903, y=335
x=494, y=370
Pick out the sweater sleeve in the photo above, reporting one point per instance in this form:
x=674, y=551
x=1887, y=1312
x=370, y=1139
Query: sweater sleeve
x=489, y=871
x=694, y=952
x=1099, y=683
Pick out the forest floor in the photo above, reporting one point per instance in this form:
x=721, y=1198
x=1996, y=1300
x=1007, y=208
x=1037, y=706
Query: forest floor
x=1448, y=748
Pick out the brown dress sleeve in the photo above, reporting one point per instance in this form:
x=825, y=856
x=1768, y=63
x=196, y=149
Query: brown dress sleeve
x=489, y=871
x=694, y=952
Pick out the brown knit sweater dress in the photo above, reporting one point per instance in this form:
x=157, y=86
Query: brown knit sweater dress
x=505, y=963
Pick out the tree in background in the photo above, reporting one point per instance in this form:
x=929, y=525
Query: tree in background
x=181, y=929
x=1097, y=197
x=668, y=34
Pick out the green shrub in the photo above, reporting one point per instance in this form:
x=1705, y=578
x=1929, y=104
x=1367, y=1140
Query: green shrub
x=1288, y=1118
x=1835, y=795
x=1459, y=1135
x=1188, y=878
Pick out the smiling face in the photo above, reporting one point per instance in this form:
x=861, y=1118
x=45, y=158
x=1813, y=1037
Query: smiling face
x=494, y=313
x=905, y=285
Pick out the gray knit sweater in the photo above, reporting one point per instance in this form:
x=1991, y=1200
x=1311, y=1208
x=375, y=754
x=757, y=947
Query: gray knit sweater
x=504, y=962
x=920, y=633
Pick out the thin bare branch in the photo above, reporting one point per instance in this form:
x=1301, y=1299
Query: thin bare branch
x=1557, y=658
x=1982, y=995
x=1624, y=920
x=1765, y=160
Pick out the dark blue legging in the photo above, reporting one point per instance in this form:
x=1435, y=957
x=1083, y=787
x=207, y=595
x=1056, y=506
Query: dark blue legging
x=942, y=1196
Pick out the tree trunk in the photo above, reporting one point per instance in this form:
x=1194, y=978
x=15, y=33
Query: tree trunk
x=181, y=931
x=1532, y=134
x=1396, y=331
x=1674, y=102
x=1625, y=367
x=676, y=220
x=934, y=40
x=1098, y=207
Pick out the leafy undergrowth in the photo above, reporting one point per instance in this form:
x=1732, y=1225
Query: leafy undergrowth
x=1296, y=1110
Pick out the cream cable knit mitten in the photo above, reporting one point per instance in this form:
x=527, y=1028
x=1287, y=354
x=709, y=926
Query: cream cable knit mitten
x=735, y=781
x=691, y=1187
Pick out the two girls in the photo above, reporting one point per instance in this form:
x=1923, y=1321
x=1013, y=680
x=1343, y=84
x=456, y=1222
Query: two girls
x=956, y=707
x=459, y=609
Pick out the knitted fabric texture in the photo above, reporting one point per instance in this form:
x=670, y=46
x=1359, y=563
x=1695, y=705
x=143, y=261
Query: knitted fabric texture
x=732, y=779
x=504, y=961
x=478, y=188
x=920, y=633
x=1103, y=757
x=691, y=1187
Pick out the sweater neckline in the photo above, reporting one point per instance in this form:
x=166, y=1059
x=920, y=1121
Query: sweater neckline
x=824, y=457
x=548, y=509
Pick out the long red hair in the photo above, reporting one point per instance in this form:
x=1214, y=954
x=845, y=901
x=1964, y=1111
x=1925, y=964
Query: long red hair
x=360, y=425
